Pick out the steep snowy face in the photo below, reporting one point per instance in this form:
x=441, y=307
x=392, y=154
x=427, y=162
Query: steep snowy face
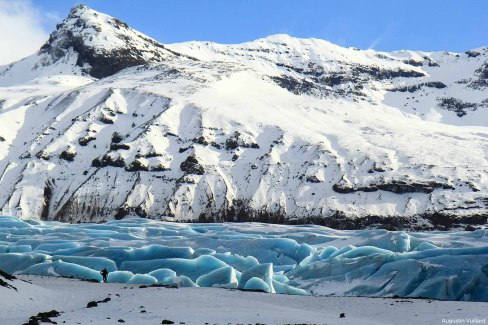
x=276, y=130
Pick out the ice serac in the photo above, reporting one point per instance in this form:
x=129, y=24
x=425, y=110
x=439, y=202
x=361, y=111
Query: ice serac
x=104, y=123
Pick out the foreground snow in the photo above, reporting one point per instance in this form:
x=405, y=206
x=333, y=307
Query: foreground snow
x=296, y=260
x=200, y=305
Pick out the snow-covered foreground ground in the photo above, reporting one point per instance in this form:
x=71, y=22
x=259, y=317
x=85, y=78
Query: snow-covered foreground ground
x=152, y=305
x=295, y=260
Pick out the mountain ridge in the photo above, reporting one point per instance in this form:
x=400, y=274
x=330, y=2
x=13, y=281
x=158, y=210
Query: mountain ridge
x=279, y=130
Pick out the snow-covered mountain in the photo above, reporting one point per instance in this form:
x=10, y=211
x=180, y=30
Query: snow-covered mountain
x=104, y=122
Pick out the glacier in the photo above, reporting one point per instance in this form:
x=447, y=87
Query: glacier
x=282, y=259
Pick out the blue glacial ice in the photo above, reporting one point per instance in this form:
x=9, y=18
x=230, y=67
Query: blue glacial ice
x=119, y=277
x=257, y=284
x=263, y=272
x=64, y=269
x=143, y=279
x=278, y=259
x=224, y=277
x=163, y=276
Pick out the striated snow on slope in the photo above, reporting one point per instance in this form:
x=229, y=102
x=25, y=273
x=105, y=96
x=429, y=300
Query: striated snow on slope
x=105, y=123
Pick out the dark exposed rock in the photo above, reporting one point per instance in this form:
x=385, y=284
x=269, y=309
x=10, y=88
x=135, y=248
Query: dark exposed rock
x=159, y=168
x=2, y=139
x=150, y=154
x=231, y=144
x=122, y=212
x=242, y=213
x=235, y=142
x=413, y=62
x=4, y=284
x=192, y=166
x=427, y=221
x=315, y=81
x=181, y=150
x=483, y=71
x=398, y=187
x=200, y=140
x=108, y=160
x=140, y=212
x=43, y=318
x=85, y=140
x=47, y=193
x=92, y=304
x=137, y=165
x=457, y=106
x=106, y=120
x=472, y=54
x=343, y=188
x=43, y=155
x=381, y=74
x=346, y=189
x=402, y=188
x=414, y=88
x=378, y=168
x=68, y=155
x=119, y=146
x=101, y=64
x=116, y=137
x=335, y=79
x=8, y=277
x=482, y=74
x=294, y=85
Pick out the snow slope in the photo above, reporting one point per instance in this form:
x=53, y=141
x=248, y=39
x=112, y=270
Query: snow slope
x=104, y=122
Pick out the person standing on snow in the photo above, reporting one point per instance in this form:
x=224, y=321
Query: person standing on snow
x=104, y=274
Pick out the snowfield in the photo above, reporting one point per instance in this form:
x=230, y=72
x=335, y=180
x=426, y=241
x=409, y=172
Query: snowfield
x=104, y=123
x=281, y=259
x=152, y=305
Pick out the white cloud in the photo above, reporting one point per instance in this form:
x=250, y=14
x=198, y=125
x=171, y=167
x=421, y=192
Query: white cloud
x=21, y=29
x=375, y=43
x=385, y=35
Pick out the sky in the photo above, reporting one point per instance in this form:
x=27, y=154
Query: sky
x=385, y=25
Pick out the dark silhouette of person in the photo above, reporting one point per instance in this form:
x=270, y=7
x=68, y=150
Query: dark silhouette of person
x=104, y=274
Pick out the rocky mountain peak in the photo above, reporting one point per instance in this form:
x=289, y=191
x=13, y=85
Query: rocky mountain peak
x=103, y=44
